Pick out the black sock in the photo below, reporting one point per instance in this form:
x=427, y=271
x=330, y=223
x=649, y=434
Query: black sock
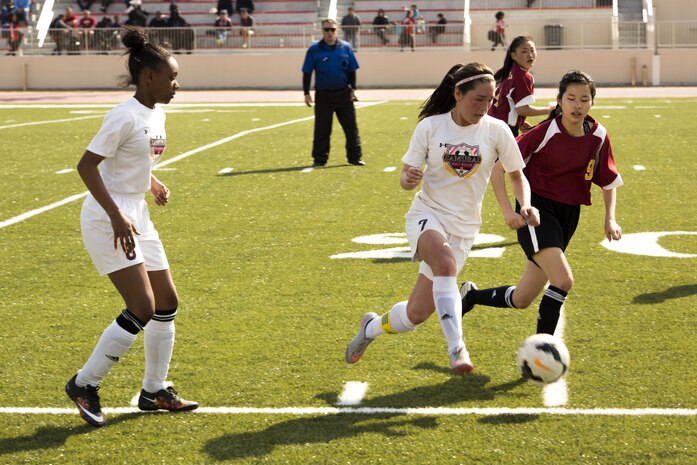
x=493, y=297
x=129, y=322
x=550, y=306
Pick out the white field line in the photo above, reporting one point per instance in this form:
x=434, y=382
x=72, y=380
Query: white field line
x=65, y=120
x=173, y=106
x=224, y=140
x=353, y=394
x=378, y=411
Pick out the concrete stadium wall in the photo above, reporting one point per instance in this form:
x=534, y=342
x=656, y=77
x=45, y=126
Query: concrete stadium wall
x=378, y=70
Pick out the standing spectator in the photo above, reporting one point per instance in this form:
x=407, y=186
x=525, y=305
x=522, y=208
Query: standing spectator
x=222, y=24
x=121, y=239
x=72, y=42
x=566, y=155
x=22, y=8
x=453, y=151
x=182, y=34
x=515, y=91
x=415, y=13
x=105, y=34
x=60, y=33
x=350, y=24
x=439, y=28
x=157, y=36
x=12, y=31
x=406, y=37
x=247, y=27
x=137, y=16
x=245, y=5
x=225, y=5
x=381, y=22
x=334, y=64
x=499, y=30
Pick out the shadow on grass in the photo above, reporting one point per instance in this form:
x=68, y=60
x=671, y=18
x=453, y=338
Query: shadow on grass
x=675, y=292
x=517, y=419
x=51, y=437
x=327, y=428
x=280, y=170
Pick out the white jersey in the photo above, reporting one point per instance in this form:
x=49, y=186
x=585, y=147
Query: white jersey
x=459, y=161
x=132, y=139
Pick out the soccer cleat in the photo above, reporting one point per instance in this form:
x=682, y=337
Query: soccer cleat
x=460, y=362
x=355, y=349
x=465, y=289
x=165, y=399
x=87, y=401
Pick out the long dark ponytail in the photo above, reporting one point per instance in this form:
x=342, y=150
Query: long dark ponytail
x=503, y=73
x=442, y=99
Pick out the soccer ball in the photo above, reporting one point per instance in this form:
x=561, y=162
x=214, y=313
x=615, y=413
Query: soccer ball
x=543, y=358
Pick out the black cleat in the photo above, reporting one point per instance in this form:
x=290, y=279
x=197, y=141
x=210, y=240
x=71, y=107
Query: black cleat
x=165, y=399
x=87, y=401
x=356, y=162
x=465, y=289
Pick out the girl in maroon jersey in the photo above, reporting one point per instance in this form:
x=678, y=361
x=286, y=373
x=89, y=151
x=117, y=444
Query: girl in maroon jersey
x=563, y=155
x=515, y=86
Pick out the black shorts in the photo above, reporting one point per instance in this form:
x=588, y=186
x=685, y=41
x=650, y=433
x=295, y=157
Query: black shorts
x=558, y=223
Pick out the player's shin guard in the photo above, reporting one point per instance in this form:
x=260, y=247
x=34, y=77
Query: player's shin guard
x=495, y=297
x=446, y=297
x=159, y=343
x=112, y=345
x=550, y=307
x=394, y=321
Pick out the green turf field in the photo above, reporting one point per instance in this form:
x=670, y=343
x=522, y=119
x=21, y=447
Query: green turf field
x=266, y=314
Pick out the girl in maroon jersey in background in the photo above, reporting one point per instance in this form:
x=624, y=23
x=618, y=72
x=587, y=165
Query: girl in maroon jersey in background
x=515, y=86
x=563, y=155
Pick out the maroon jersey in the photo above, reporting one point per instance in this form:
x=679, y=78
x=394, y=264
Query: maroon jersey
x=561, y=167
x=514, y=91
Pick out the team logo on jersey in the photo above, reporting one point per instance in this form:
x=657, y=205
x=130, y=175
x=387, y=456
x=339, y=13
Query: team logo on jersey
x=157, y=147
x=461, y=160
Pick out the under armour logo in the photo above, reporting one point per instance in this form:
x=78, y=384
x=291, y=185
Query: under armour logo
x=446, y=317
x=112, y=358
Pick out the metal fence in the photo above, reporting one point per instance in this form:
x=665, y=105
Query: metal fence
x=575, y=33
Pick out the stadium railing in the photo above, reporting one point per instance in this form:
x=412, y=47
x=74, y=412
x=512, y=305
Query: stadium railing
x=574, y=33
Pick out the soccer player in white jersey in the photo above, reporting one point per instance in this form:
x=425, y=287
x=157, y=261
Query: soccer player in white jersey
x=121, y=239
x=458, y=143
x=565, y=155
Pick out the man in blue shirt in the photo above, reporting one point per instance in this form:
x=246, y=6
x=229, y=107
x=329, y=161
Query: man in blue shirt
x=335, y=67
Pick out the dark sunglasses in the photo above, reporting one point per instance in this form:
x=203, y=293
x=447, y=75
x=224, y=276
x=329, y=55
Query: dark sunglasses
x=329, y=29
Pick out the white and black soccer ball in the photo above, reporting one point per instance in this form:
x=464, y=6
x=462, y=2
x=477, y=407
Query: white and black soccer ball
x=543, y=358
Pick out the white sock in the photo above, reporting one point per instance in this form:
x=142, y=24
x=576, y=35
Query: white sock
x=112, y=345
x=446, y=297
x=394, y=321
x=159, y=343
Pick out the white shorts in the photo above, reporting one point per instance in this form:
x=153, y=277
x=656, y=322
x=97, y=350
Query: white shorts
x=98, y=236
x=420, y=219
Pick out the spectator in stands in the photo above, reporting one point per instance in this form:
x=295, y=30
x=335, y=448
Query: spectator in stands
x=222, y=24
x=381, y=22
x=106, y=34
x=334, y=64
x=137, y=16
x=60, y=33
x=406, y=38
x=245, y=5
x=225, y=5
x=350, y=24
x=500, y=30
x=85, y=4
x=85, y=32
x=70, y=18
x=11, y=30
x=528, y=3
x=247, y=29
x=105, y=5
x=415, y=11
x=439, y=28
x=21, y=9
x=159, y=21
x=515, y=87
x=183, y=35
x=420, y=24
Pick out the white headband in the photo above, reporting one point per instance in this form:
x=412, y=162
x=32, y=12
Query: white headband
x=472, y=78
